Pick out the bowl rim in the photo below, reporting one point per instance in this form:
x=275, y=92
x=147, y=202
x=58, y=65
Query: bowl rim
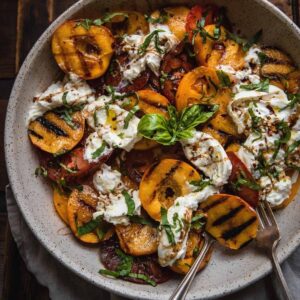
x=31, y=222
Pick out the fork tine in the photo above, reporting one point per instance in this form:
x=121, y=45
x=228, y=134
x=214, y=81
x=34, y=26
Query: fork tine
x=263, y=214
x=270, y=214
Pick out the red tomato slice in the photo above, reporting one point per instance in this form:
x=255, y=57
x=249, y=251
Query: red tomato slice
x=238, y=168
x=195, y=15
x=71, y=166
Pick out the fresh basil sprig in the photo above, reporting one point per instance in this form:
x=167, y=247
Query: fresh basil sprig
x=153, y=35
x=179, y=126
x=87, y=23
x=262, y=86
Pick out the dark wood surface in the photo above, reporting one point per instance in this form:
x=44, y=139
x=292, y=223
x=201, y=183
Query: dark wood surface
x=21, y=23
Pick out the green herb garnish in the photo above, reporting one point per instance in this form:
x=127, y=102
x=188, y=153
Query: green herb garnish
x=262, y=86
x=130, y=115
x=294, y=100
x=224, y=78
x=87, y=23
x=162, y=18
x=129, y=202
x=200, y=184
x=141, y=220
x=153, y=35
x=284, y=138
x=41, y=171
x=69, y=170
x=166, y=225
x=263, y=58
x=198, y=221
x=179, y=126
x=243, y=180
x=90, y=226
x=99, y=151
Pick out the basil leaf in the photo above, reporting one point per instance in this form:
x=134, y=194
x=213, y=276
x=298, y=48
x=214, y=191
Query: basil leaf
x=263, y=58
x=130, y=115
x=64, y=99
x=262, y=86
x=293, y=147
x=224, y=78
x=284, y=138
x=141, y=220
x=90, y=226
x=109, y=273
x=129, y=202
x=166, y=226
x=142, y=277
x=41, y=171
x=294, y=100
x=69, y=170
x=200, y=184
x=142, y=49
x=87, y=23
x=198, y=221
x=243, y=180
x=99, y=151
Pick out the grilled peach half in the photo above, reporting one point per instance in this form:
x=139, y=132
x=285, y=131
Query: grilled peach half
x=163, y=182
x=60, y=201
x=83, y=50
x=222, y=51
x=81, y=206
x=175, y=19
x=51, y=133
x=194, y=245
x=128, y=22
x=197, y=86
x=230, y=220
x=137, y=239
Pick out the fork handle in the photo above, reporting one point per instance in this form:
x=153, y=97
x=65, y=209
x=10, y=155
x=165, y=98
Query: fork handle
x=183, y=287
x=280, y=277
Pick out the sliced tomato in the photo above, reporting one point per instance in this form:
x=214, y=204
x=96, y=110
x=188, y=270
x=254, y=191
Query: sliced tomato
x=195, y=15
x=71, y=166
x=239, y=169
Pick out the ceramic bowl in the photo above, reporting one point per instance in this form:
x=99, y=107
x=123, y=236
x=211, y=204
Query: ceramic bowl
x=228, y=270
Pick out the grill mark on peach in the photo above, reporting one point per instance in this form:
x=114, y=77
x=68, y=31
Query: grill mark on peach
x=228, y=216
x=48, y=125
x=215, y=203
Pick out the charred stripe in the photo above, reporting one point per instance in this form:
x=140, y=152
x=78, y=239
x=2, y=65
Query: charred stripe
x=229, y=234
x=31, y=132
x=215, y=203
x=228, y=216
x=51, y=127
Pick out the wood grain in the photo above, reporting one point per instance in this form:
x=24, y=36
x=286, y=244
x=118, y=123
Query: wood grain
x=8, y=11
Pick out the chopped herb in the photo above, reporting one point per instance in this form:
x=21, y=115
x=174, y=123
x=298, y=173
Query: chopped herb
x=69, y=170
x=90, y=226
x=263, y=58
x=262, y=86
x=95, y=119
x=294, y=101
x=64, y=99
x=163, y=78
x=196, y=252
x=154, y=34
x=100, y=233
x=41, y=171
x=142, y=277
x=203, y=33
x=243, y=180
x=141, y=220
x=129, y=202
x=176, y=220
x=198, y=221
x=246, y=44
x=200, y=184
x=224, y=78
x=166, y=225
x=130, y=115
x=87, y=23
x=109, y=273
x=293, y=147
x=285, y=137
x=99, y=151
x=163, y=18
x=256, y=121
x=121, y=135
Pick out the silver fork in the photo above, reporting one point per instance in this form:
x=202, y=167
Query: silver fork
x=267, y=238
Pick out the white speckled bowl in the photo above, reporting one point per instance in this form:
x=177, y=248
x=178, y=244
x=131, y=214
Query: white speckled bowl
x=228, y=271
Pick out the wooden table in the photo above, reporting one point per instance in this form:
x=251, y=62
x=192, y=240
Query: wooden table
x=21, y=23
